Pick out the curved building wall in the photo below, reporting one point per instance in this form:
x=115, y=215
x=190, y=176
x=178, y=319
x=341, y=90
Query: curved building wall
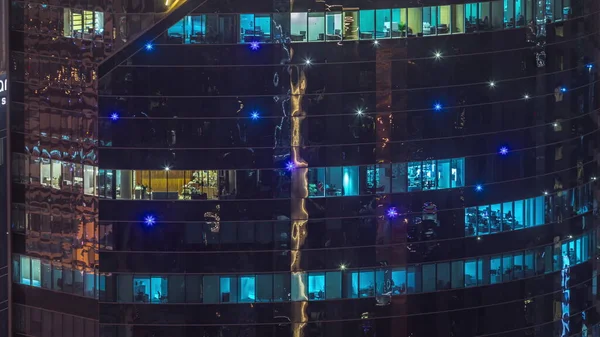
x=369, y=171
x=304, y=169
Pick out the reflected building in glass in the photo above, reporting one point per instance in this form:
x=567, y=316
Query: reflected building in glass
x=302, y=169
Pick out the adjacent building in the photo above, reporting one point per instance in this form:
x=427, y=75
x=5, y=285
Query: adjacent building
x=306, y=169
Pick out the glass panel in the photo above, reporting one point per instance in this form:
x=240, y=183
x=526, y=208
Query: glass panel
x=298, y=24
x=458, y=274
x=399, y=281
x=520, y=12
x=264, y=288
x=470, y=273
x=377, y=179
x=141, y=289
x=197, y=28
x=519, y=218
x=458, y=172
x=247, y=288
x=36, y=272
x=539, y=211
x=430, y=20
x=382, y=21
x=518, y=267
x=281, y=287
x=429, y=278
x=495, y=218
x=444, y=24
x=471, y=221
x=176, y=288
x=398, y=24
x=443, y=276
x=316, y=286
x=333, y=26
x=316, y=182
x=193, y=288
x=529, y=266
x=228, y=289
x=316, y=27
x=366, y=27
x=507, y=216
x=483, y=220
x=45, y=172
x=57, y=278
x=46, y=275
x=399, y=178
x=262, y=28
x=299, y=287
x=443, y=174
x=509, y=13
x=25, y=270
x=350, y=29
x=429, y=175
x=367, y=283
x=351, y=284
x=415, y=176
x=333, y=284
x=496, y=270
x=507, y=265
x=458, y=19
x=210, y=290
x=246, y=27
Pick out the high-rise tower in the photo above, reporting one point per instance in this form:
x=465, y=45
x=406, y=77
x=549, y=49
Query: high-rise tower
x=304, y=169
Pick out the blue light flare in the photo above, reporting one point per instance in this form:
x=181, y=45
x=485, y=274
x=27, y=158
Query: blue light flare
x=150, y=220
x=254, y=115
x=392, y=212
x=504, y=150
x=255, y=45
x=290, y=166
x=437, y=107
x=478, y=188
x=149, y=46
x=114, y=116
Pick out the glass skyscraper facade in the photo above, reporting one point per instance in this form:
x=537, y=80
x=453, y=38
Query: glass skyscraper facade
x=304, y=169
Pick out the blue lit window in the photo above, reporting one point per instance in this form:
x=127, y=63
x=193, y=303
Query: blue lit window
x=415, y=176
x=341, y=181
x=457, y=172
x=382, y=23
x=316, y=182
x=334, y=26
x=413, y=285
x=470, y=273
x=141, y=289
x=298, y=24
x=518, y=266
x=429, y=175
x=519, y=214
x=507, y=216
x=399, y=281
x=25, y=264
x=351, y=284
x=176, y=33
x=529, y=266
x=483, y=220
x=495, y=218
x=444, y=174
x=471, y=221
x=247, y=288
x=228, y=289
x=397, y=28
x=367, y=24
x=507, y=267
x=316, y=286
x=316, y=27
x=430, y=20
x=496, y=270
x=159, y=289
x=378, y=179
